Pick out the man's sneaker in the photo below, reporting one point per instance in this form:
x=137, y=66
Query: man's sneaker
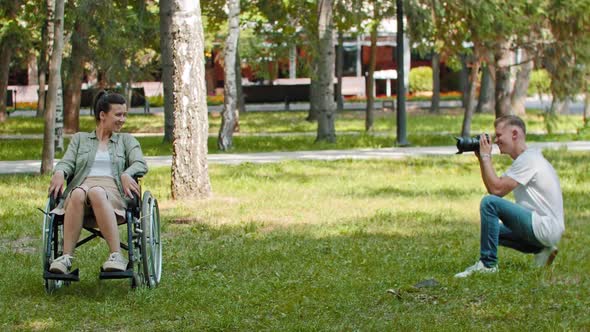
x=476, y=268
x=61, y=265
x=116, y=262
x=545, y=257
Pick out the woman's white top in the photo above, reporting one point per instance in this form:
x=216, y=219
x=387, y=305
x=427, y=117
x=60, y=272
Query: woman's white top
x=102, y=164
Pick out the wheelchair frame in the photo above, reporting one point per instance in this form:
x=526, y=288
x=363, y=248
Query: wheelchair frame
x=144, y=247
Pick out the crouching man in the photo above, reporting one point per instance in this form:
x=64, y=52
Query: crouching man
x=534, y=223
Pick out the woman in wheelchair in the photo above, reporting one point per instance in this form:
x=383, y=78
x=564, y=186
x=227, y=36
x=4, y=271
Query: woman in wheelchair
x=100, y=167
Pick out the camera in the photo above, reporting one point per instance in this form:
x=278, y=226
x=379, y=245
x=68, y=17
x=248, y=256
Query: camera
x=466, y=144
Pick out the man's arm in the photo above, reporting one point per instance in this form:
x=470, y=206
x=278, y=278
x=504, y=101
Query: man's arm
x=499, y=186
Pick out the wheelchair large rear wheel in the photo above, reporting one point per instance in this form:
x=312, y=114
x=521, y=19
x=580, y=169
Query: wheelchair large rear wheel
x=151, y=246
x=52, y=246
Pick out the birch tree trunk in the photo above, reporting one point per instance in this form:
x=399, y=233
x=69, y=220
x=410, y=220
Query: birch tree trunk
x=230, y=103
x=239, y=89
x=471, y=101
x=54, y=84
x=435, y=101
x=190, y=175
x=166, y=58
x=371, y=79
x=521, y=85
x=339, y=69
x=327, y=108
x=314, y=91
x=47, y=37
x=73, y=83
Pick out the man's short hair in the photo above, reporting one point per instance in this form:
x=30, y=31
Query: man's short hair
x=511, y=120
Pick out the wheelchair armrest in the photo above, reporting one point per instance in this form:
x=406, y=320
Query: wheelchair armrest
x=53, y=202
x=134, y=202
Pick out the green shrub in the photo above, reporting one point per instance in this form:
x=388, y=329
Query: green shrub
x=420, y=79
x=156, y=101
x=540, y=82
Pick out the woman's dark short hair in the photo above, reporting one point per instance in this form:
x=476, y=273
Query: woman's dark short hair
x=103, y=101
x=511, y=120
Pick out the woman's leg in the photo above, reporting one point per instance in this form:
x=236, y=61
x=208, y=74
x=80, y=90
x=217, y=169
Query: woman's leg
x=73, y=219
x=105, y=217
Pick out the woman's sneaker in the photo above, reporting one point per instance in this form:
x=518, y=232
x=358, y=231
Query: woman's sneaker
x=61, y=265
x=476, y=268
x=545, y=257
x=115, y=262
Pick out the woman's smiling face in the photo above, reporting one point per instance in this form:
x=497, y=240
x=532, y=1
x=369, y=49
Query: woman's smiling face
x=115, y=118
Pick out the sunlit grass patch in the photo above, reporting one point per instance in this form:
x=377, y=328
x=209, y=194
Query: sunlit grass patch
x=312, y=245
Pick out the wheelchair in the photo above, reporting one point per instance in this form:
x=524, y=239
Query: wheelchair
x=144, y=247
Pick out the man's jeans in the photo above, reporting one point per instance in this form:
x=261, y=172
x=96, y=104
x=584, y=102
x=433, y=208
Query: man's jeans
x=515, y=231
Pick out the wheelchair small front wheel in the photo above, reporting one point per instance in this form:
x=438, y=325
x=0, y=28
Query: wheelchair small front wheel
x=52, y=246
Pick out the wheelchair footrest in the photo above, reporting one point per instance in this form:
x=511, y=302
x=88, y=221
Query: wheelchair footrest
x=116, y=274
x=72, y=276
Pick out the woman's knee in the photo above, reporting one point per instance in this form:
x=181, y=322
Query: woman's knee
x=77, y=197
x=97, y=195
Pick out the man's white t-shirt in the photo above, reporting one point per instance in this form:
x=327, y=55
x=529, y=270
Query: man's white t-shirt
x=539, y=191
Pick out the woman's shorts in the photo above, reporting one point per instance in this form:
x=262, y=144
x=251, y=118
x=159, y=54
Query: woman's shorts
x=113, y=195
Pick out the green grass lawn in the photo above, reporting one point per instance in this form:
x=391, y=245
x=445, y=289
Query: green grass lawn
x=423, y=129
x=298, y=246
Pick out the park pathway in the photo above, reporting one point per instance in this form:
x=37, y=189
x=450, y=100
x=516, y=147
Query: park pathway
x=33, y=166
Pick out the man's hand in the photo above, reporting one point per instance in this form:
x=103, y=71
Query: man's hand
x=57, y=183
x=485, y=147
x=129, y=185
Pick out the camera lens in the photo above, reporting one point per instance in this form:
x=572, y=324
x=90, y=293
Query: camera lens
x=467, y=144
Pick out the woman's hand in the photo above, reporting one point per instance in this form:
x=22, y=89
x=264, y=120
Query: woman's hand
x=129, y=185
x=57, y=183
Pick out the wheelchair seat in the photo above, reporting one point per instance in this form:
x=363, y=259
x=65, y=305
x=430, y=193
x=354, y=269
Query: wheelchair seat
x=142, y=220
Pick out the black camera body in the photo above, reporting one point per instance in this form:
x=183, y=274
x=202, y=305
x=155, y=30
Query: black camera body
x=466, y=144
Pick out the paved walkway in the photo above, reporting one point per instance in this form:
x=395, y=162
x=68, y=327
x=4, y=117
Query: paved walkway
x=33, y=166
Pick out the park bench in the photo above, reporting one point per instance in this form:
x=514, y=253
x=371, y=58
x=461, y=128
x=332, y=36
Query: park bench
x=283, y=93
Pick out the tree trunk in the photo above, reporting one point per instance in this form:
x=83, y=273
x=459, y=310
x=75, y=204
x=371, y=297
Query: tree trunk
x=586, y=107
x=239, y=89
x=339, y=68
x=7, y=45
x=314, y=92
x=371, y=79
x=47, y=37
x=230, y=100
x=464, y=80
x=435, y=102
x=521, y=85
x=503, y=91
x=486, y=101
x=6, y=49
x=73, y=84
x=327, y=108
x=190, y=175
x=54, y=84
x=471, y=102
x=166, y=58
